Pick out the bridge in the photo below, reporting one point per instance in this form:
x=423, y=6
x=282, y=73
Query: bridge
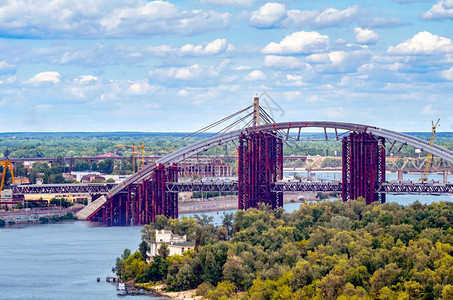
x=153, y=190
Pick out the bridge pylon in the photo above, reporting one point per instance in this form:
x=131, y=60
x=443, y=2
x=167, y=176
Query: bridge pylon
x=260, y=163
x=363, y=167
x=141, y=204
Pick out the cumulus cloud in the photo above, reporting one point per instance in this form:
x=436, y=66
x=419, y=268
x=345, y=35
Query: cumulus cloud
x=365, y=35
x=448, y=74
x=256, y=75
x=141, y=87
x=441, y=10
x=6, y=68
x=115, y=18
x=86, y=79
x=282, y=62
x=295, y=18
x=190, y=73
x=332, y=16
x=339, y=61
x=269, y=15
x=423, y=43
x=213, y=48
x=301, y=42
x=44, y=77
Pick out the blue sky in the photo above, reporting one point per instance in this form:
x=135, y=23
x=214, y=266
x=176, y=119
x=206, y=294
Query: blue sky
x=177, y=66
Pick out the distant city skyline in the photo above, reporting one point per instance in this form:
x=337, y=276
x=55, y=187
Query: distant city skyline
x=177, y=66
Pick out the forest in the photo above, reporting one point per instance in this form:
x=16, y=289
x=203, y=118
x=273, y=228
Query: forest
x=327, y=250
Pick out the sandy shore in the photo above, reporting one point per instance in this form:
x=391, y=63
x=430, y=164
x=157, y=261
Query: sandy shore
x=189, y=294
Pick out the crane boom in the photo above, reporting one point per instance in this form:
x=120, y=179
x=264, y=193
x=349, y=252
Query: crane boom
x=429, y=156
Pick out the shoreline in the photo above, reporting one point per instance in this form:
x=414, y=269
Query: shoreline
x=223, y=203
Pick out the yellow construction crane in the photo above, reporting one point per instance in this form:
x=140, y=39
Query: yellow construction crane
x=429, y=156
x=6, y=163
x=137, y=151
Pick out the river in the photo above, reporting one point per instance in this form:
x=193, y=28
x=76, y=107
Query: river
x=63, y=260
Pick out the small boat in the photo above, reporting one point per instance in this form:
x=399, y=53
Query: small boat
x=121, y=289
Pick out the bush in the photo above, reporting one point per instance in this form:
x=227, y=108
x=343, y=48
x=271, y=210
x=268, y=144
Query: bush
x=43, y=220
x=204, y=289
x=2, y=223
x=224, y=289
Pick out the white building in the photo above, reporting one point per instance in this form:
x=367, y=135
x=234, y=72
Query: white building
x=176, y=244
x=77, y=175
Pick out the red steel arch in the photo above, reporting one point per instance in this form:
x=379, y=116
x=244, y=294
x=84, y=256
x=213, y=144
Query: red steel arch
x=220, y=139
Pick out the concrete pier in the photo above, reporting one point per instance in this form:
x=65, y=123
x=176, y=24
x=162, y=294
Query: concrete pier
x=400, y=175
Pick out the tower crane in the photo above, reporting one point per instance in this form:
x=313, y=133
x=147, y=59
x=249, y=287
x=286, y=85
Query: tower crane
x=430, y=156
x=6, y=163
x=137, y=151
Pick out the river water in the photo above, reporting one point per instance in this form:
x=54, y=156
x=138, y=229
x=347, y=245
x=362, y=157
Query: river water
x=63, y=260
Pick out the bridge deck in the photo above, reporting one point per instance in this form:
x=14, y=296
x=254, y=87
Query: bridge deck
x=176, y=187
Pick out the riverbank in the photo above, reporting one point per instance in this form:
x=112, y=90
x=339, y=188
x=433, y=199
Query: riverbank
x=34, y=215
x=231, y=202
x=187, y=295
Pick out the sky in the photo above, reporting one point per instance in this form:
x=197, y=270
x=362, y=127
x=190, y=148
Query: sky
x=168, y=66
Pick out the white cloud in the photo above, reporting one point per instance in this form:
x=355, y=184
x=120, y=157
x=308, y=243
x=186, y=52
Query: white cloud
x=294, y=80
x=213, y=48
x=282, y=62
x=428, y=110
x=6, y=68
x=300, y=18
x=44, y=77
x=339, y=61
x=383, y=22
x=332, y=16
x=186, y=73
x=140, y=88
x=190, y=73
x=315, y=18
x=422, y=43
x=268, y=15
x=256, y=75
x=96, y=19
x=441, y=10
x=298, y=43
x=86, y=79
x=235, y=3
x=365, y=36
x=448, y=74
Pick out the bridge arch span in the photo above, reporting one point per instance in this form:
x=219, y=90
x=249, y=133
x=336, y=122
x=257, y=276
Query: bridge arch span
x=193, y=149
x=220, y=139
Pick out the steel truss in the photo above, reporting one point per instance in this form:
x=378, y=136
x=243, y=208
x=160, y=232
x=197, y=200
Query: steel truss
x=141, y=203
x=260, y=163
x=415, y=188
x=363, y=167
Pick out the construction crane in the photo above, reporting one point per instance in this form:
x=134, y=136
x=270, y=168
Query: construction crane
x=134, y=151
x=137, y=151
x=429, y=156
x=6, y=163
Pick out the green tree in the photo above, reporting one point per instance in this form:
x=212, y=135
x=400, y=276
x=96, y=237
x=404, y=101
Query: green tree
x=143, y=248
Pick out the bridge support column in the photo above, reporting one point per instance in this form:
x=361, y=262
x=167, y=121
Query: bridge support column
x=153, y=198
x=363, y=167
x=260, y=163
x=445, y=179
x=142, y=204
x=399, y=175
